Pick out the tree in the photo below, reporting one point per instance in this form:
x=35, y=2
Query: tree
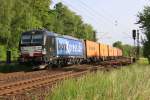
x=127, y=49
x=17, y=16
x=21, y=15
x=144, y=21
x=118, y=44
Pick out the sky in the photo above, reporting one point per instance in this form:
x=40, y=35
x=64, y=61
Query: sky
x=113, y=20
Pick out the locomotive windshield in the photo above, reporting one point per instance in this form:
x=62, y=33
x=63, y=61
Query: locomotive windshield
x=38, y=38
x=26, y=39
x=32, y=38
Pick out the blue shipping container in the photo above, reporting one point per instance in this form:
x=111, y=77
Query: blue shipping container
x=69, y=47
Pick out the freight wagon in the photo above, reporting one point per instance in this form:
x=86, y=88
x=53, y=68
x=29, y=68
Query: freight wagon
x=115, y=52
x=92, y=51
x=103, y=49
x=119, y=52
x=110, y=52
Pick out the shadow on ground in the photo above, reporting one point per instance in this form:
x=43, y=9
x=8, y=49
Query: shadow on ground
x=14, y=67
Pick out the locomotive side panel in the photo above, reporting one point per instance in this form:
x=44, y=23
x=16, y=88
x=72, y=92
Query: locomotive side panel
x=69, y=47
x=50, y=47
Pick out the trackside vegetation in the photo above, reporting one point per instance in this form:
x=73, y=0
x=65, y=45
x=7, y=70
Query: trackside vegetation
x=127, y=83
x=143, y=21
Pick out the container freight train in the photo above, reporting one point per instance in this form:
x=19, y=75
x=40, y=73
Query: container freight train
x=42, y=47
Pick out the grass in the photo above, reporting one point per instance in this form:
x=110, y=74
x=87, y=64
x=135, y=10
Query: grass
x=128, y=83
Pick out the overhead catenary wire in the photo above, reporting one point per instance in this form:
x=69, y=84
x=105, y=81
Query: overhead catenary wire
x=106, y=19
x=107, y=13
x=72, y=7
x=100, y=16
x=116, y=22
x=92, y=15
x=96, y=12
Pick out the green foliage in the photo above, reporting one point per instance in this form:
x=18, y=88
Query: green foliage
x=2, y=53
x=128, y=50
x=18, y=16
x=67, y=22
x=144, y=21
x=14, y=53
x=118, y=44
x=21, y=15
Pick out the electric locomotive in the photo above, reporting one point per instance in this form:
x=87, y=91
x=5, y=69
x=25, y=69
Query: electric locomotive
x=42, y=47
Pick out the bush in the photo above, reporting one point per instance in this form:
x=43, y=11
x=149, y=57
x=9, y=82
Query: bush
x=2, y=53
x=14, y=53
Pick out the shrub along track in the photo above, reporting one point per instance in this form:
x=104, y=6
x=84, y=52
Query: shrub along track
x=22, y=86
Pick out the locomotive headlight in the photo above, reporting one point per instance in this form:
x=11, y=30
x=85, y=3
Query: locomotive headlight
x=44, y=51
x=38, y=47
x=50, y=59
x=22, y=48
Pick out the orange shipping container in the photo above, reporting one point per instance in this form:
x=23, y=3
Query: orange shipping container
x=92, y=48
x=115, y=52
x=110, y=51
x=119, y=52
x=103, y=50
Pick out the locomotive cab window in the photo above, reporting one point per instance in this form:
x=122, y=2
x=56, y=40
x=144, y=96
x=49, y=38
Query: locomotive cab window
x=26, y=39
x=37, y=38
x=33, y=38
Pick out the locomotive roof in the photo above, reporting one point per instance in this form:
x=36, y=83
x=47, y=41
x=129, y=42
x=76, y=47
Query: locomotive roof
x=50, y=34
x=63, y=36
x=40, y=31
x=69, y=37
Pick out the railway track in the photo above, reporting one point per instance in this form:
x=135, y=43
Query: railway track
x=43, y=78
x=13, y=77
x=27, y=85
